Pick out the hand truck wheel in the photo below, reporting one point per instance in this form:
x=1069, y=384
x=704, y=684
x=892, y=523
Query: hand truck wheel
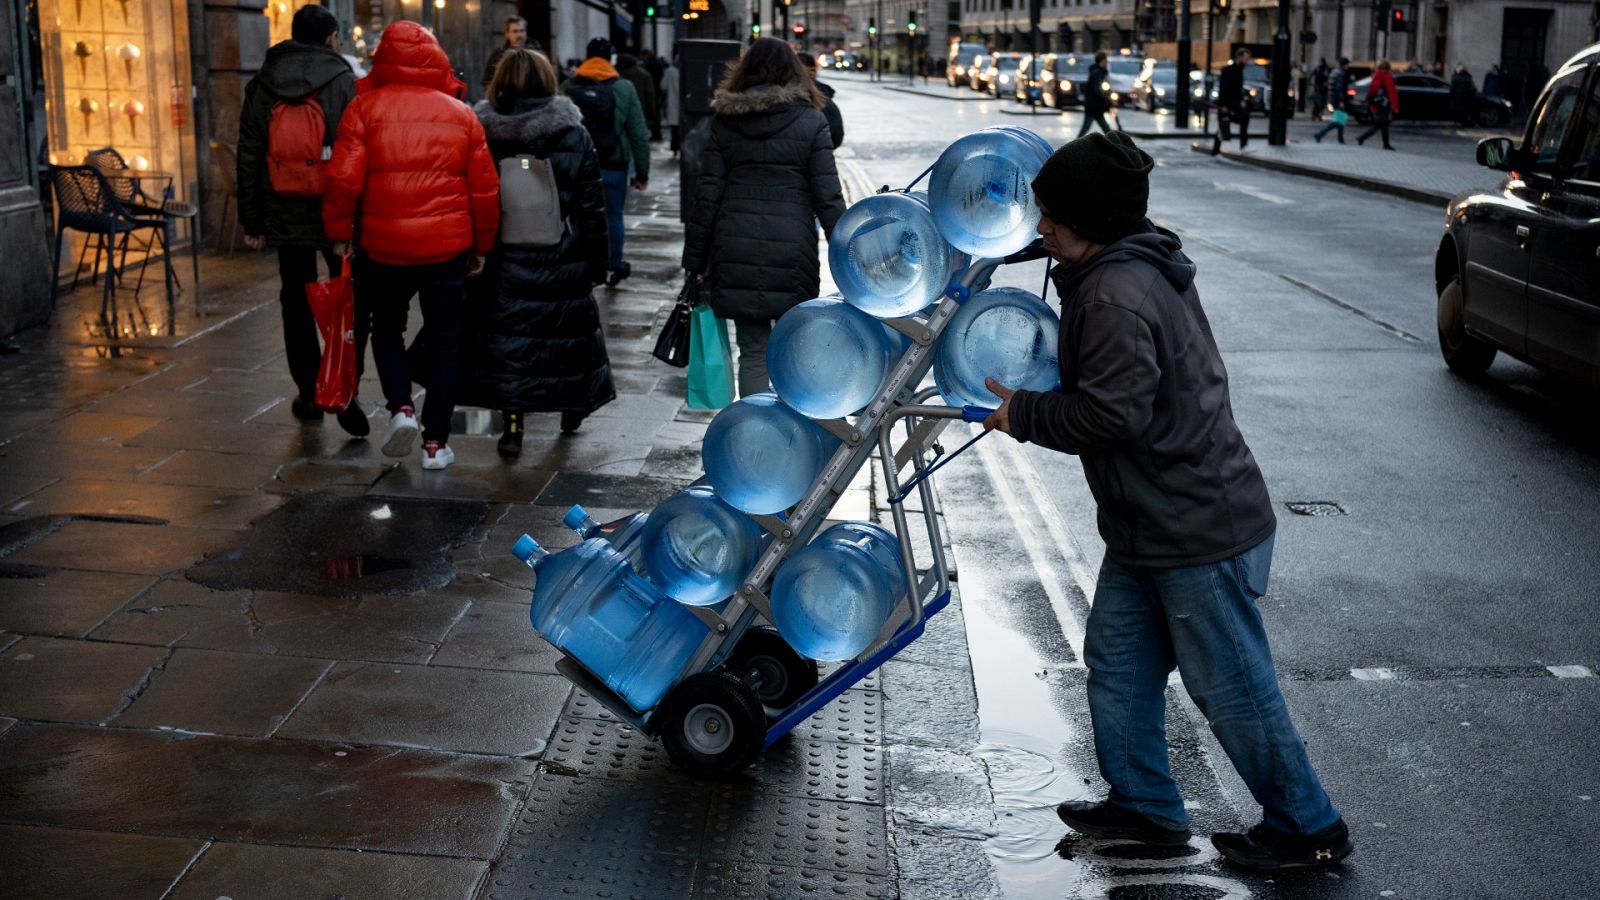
x=778, y=674
x=712, y=724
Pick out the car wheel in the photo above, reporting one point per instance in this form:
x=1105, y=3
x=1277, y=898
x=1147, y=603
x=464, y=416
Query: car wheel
x=1463, y=353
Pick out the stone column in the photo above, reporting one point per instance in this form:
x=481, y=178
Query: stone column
x=26, y=283
x=230, y=39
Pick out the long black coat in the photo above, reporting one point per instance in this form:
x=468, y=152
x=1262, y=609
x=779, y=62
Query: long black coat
x=532, y=340
x=1463, y=96
x=766, y=176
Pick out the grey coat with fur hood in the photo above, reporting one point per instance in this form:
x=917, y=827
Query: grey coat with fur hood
x=766, y=177
x=532, y=339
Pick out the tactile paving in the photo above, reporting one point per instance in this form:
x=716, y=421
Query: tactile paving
x=825, y=770
x=611, y=750
x=854, y=717
x=770, y=829
x=586, y=870
x=870, y=683
x=584, y=706
x=719, y=880
x=591, y=811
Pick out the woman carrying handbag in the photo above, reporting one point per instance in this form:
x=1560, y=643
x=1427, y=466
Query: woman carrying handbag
x=766, y=177
x=533, y=318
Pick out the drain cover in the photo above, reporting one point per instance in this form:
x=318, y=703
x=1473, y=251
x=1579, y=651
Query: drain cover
x=1315, y=508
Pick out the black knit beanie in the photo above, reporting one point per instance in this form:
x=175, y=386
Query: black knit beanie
x=599, y=48
x=1097, y=185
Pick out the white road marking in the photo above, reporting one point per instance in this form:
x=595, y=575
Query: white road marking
x=1255, y=192
x=1571, y=671
x=1377, y=674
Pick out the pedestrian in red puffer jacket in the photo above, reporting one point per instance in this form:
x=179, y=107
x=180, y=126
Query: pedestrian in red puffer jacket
x=413, y=158
x=1383, y=102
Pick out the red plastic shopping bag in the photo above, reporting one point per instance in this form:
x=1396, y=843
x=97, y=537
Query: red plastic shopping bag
x=333, y=305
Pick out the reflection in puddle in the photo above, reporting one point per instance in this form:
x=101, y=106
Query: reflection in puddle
x=1023, y=734
x=349, y=568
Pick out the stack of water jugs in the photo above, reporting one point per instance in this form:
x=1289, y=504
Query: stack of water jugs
x=617, y=601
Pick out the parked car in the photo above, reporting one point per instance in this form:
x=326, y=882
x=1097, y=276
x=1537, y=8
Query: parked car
x=1063, y=80
x=975, y=71
x=1518, y=269
x=1426, y=97
x=1029, y=83
x=999, y=76
x=1157, y=87
x=1122, y=72
x=962, y=57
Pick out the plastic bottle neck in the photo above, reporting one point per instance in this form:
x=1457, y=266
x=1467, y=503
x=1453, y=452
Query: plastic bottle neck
x=528, y=550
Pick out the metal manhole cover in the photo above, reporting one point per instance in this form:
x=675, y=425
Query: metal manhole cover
x=1316, y=508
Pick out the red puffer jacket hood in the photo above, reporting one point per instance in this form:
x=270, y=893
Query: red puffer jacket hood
x=413, y=160
x=410, y=54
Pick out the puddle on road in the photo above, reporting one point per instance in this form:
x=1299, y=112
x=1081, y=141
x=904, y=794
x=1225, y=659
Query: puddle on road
x=1023, y=736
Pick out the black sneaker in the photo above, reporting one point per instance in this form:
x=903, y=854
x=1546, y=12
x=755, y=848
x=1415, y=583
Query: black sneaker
x=1106, y=820
x=618, y=274
x=353, y=419
x=305, y=410
x=571, y=420
x=1267, y=848
x=510, y=444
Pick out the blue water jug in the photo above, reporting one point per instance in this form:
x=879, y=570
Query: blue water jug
x=832, y=597
x=828, y=359
x=981, y=190
x=888, y=257
x=761, y=456
x=590, y=603
x=697, y=549
x=1007, y=334
x=622, y=534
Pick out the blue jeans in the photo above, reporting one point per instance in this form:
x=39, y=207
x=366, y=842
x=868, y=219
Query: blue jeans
x=616, y=185
x=1202, y=620
x=1323, y=132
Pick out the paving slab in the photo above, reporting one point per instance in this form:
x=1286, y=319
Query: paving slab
x=208, y=468
x=51, y=458
x=142, y=549
x=497, y=636
x=568, y=869
x=64, y=602
x=72, y=681
x=462, y=482
x=72, y=864
x=251, y=871
x=244, y=694
x=260, y=791
x=758, y=827
x=466, y=710
x=630, y=492
x=722, y=880
x=179, y=613
x=196, y=507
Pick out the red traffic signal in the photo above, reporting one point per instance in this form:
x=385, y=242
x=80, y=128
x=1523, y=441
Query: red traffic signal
x=1397, y=20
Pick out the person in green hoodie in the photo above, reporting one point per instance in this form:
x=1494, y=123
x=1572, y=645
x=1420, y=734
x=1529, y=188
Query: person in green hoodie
x=615, y=121
x=305, y=67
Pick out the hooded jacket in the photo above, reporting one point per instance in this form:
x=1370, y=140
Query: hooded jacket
x=1144, y=405
x=830, y=111
x=413, y=158
x=533, y=323
x=292, y=72
x=766, y=176
x=628, y=120
x=644, y=86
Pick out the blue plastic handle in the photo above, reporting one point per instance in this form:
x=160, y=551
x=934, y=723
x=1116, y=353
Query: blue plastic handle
x=975, y=413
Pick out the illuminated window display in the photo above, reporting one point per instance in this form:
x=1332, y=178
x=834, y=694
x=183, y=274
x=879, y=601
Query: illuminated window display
x=116, y=75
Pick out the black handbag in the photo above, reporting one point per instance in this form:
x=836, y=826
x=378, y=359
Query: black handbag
x=672, y=344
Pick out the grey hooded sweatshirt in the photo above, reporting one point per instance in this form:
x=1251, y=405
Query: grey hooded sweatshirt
x=1144, y=405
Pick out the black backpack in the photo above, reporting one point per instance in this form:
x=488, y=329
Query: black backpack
x=598, y=103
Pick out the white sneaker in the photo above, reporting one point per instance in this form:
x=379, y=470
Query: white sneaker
x=402, y=434
x=436, y=455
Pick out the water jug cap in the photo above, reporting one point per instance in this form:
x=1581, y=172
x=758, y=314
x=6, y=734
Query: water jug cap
x=575, y=518
x=526, y=549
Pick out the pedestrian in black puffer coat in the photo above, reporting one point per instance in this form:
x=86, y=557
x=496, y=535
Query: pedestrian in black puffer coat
x=766, y=177
x=534, y=326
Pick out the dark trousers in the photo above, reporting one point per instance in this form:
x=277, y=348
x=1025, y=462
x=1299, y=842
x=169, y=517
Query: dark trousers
x=1379, y=123
x=297, y=267
x=1093, y=117
x=387, y=290
x=1240, y=117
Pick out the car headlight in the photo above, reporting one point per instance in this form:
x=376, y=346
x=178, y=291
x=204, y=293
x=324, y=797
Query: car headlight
x=1116, y=96
x=1199, y=92
x=1066, y=85
x=961, y=70
x=1252, y=92
x=1161, y=92
x=1004, y=79
x=1105, y=85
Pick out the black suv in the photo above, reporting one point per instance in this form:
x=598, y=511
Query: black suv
x=1519, y=267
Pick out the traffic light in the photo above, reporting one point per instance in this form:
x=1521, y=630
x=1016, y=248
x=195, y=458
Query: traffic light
x=755, y=25
x=872, y=26
x=1381, y=11
x=911, y=22
x=649, y=12
x=1397, y=20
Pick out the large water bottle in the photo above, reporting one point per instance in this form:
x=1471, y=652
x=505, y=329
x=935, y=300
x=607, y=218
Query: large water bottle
x=981, y=190
x=622, y=534
x=761, y=456
x=887, y=256
x=1007, y=334
x=827, y=358
x=590, y=604
x=832, y=597
x=697, y=549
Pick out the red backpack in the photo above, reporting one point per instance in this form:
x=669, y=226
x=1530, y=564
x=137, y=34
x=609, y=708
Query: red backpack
x=297, y=157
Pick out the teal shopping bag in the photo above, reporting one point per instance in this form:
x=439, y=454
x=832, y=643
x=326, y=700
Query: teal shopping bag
x=710, y=361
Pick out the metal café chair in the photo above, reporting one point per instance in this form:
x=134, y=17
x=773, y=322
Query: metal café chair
x=129, y=188
x=85, y=201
